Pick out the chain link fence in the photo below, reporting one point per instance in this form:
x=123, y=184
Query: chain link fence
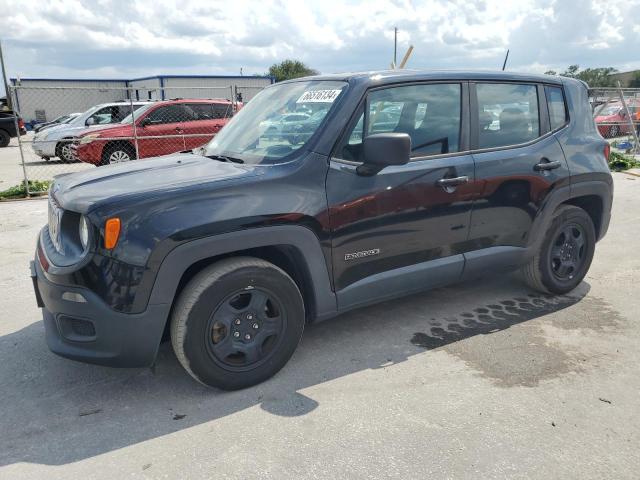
x=70, y=129
x=616, y=112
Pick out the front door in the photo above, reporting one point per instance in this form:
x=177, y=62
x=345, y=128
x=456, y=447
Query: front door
x=403, y=229
x=518, y=161
x=161, y=132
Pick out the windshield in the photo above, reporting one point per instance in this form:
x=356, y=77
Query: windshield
x=137, y=112
x=276, y=122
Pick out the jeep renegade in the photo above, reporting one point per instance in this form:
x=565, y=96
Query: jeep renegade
x=392, y=183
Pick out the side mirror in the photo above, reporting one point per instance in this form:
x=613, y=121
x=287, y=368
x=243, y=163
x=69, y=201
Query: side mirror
x=145, y=121
x=90, y=121
x=381, y=150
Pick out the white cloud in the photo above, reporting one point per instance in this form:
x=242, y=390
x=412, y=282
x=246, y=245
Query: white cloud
x=124, y=39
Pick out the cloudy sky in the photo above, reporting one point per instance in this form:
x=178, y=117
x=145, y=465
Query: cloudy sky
x=129, y=38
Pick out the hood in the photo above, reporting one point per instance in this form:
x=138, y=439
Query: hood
x=116, y=128
x=69, y=130
x=83, y=191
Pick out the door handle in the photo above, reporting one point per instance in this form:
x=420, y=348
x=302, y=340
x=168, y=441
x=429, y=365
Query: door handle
x=546, y=164
x=178, y=129
x=453, y=182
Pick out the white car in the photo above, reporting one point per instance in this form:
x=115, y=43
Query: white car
x=56, y=141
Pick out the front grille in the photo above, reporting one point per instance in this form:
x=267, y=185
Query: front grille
x=55, y=217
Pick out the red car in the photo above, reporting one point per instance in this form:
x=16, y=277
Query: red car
x=612, y=120
x=161, y=128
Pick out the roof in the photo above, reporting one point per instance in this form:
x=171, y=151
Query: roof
x=126, y=80
x=383, y=77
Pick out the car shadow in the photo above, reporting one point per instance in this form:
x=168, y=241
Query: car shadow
x=57, y=411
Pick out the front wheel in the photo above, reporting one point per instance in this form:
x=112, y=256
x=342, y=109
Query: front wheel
x=64, y=151
x=237, y=323
x=565, y=254
x=118, y=153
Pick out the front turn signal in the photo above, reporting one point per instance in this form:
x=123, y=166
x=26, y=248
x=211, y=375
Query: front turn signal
x=111, y=233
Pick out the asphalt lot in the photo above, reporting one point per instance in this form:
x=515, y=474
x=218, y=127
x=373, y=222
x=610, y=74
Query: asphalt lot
x=11, y=172
x=482, y=380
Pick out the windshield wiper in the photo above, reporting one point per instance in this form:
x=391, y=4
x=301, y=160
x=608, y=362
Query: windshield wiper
x=224, y=158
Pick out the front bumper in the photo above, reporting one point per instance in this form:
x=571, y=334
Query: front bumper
x=89, y=152
x=80, y=326
x=44, y=148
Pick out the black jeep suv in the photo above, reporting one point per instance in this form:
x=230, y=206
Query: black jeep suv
x=405, y=182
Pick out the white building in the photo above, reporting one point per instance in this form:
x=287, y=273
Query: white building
x=43, y=99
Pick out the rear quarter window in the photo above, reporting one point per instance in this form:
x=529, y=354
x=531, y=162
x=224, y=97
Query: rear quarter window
x=557, y=107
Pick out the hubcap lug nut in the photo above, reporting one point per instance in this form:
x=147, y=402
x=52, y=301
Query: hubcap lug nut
x=249, y=316
x=255, y=326
x=247, y=337
x=236, y=334
x=237, y=321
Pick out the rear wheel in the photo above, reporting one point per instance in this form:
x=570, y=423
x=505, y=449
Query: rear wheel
x=237, y=323
x=614, y=131
x=4, y=139
x=565, y=254
x=118, y=153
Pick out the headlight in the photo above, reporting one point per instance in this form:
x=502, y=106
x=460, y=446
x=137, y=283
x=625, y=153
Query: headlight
x=83, y=232
x=88, y=138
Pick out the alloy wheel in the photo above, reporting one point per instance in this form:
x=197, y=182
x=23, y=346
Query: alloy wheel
x=119, y=156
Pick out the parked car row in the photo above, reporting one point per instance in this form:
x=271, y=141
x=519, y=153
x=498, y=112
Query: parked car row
x=107, y=133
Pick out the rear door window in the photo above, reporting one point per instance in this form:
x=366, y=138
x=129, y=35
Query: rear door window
x=508, y=114
x=202, y=111
x=170, y=114
x=557, y=107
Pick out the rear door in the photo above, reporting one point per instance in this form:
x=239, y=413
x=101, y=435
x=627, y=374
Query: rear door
x=160, y=131
x=405, y=228
x=207, y=119
x=518, y=160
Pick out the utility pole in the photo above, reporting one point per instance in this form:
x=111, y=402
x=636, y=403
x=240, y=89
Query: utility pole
x=4, y=78
x=395, y=46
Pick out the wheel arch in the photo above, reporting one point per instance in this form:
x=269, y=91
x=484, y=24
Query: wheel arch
x=112, y=143
x=294, y=249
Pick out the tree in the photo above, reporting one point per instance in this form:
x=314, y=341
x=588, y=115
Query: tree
x=595, y=77
x=290, y=69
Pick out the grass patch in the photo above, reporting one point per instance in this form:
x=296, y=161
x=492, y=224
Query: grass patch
x=18, y=191
x=619, y=162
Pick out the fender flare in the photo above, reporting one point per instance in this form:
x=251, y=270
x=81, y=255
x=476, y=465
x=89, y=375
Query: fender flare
x=541, y=223
x=304, y=240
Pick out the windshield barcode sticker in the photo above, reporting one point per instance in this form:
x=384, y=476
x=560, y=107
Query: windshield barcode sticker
x=324, y=96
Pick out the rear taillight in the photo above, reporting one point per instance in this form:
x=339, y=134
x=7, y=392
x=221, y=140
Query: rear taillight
x=607, y=151
x=20, y=123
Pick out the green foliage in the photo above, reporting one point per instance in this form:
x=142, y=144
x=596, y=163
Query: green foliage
x=18, y=191
x=595, y=77
x=619, y=162
x=290, y=69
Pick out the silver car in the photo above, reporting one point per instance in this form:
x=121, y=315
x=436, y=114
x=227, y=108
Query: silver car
x=56, y=141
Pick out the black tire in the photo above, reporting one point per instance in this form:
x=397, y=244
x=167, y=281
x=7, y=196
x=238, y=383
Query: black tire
x=119, y=149
x=565, y=254
x=4, y=139
x=63, y=153
x=208, y=329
